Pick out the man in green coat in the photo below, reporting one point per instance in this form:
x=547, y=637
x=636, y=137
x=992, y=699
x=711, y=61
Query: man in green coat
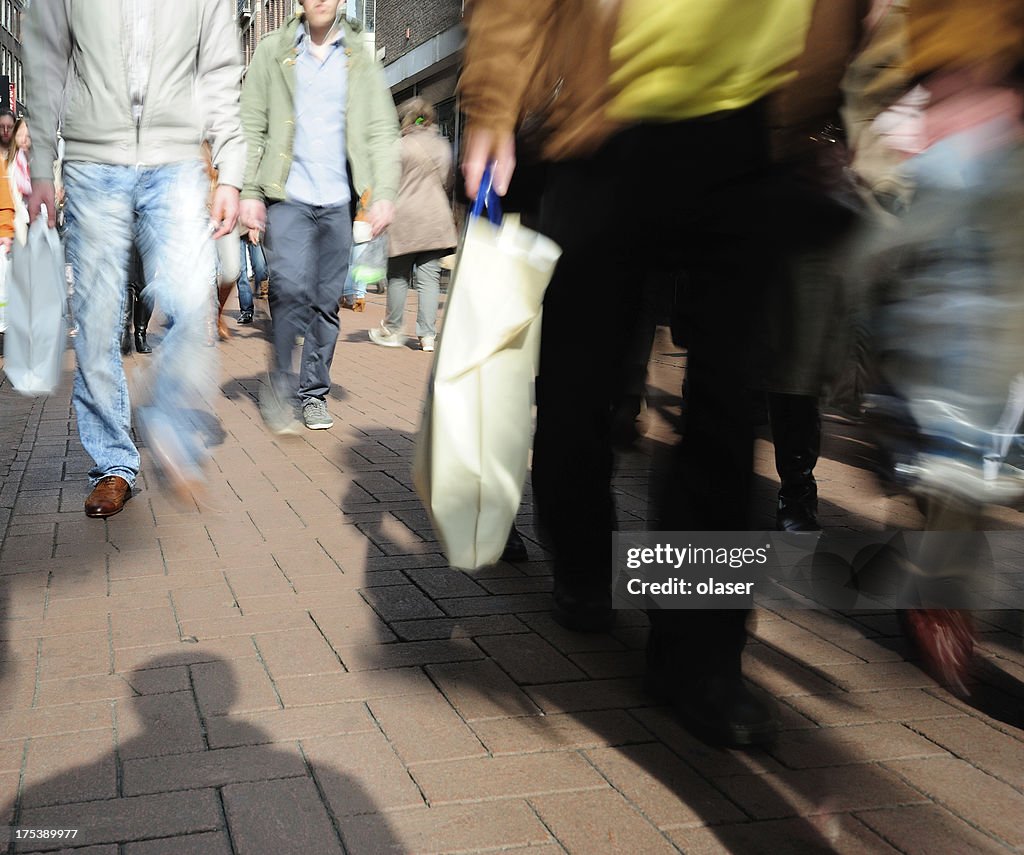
x=319, y=121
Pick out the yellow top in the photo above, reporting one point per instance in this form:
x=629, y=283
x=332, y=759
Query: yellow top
x=679, y=59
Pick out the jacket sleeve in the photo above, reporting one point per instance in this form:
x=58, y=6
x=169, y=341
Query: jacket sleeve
x=219, y=76
x=501, y=57
x=255, y=117
x=6, y=204
x=47, y=57
x=383, y=138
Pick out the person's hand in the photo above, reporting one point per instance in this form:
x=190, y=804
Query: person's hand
x=42, y=194
x=253, y=214
x=380, y=216
x=5, y=245
x=482, y=148
x=224, y=210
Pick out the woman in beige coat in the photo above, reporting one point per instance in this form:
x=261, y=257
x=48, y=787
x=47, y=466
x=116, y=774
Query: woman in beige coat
x=423, y=231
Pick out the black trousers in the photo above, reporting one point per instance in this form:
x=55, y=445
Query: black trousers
x=685, y=196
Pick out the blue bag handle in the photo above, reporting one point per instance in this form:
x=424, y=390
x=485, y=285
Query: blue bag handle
x=487, y=198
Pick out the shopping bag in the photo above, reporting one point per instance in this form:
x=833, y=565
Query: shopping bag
x=36, y=299
x=474, y=438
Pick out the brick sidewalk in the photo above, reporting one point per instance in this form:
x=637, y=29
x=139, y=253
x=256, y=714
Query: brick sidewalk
x=290, y=667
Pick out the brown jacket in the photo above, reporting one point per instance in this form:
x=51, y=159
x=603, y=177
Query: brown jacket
x=423, y=218
x=542, y=56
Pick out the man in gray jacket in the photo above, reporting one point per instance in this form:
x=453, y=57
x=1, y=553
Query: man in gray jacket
x=147, y=82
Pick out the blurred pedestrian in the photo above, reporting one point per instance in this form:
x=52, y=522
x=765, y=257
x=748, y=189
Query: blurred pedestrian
x=661, y=102
x=6, y=131
x=137, y=312
x=17, y=157
x=250, y=253
x=423, y=231
x=133, y=173
x=315, y=105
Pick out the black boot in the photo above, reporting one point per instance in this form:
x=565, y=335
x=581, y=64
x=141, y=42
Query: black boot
x=126, y=327
x=796, y=432
x=142, y=314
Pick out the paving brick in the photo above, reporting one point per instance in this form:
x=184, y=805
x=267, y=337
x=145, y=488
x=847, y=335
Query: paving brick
x=566, y=640
x=401, y=602
x=258, y=824
x=12, y=754
x=976, y=797
x=155, y=725
x=145, y=627
x=342, y=625
x=183, y=653
x=239, y=686
x=505, y=777
x=845, y=708
x=82, y=655
x=929, y=830
x=366, y=657
x=606, y=664
x=802, y=644
x=809, y=792
x=225, y=627
x=211, y=843
x=445, y=582
x=481, y=690
x=596, y=822
x=838, y=746
x=495, y=605
x=524, y=734
x=422, y=630
x=70, y=768
x=988, y=749
x=589, y=695
x=297, y=652
x=782, y=677
x=76, y=718
x=142, y=817
x=79, y=689
x=529, y=659
x=446, y=828
x=159, y=681
x=425, y=728
x=257, y=728
x=209, y=769
x=873, y=676
x=359, y=686
x=825, y=833
x=360, y=773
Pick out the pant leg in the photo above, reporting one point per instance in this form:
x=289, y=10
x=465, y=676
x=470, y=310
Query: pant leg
x=333, y=250
x=173, y=224
x=245, y=299
x=428, y=292
x=290, y=245
x=260, y=273
x=100, y=222
x=399, y=275
x=572, y=455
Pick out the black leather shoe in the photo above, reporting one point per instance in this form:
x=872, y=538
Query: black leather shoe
x=141, y=345
x=244, y=318
x=795, y=516
x=719, y=709
x=515, y=549
x=582, y=611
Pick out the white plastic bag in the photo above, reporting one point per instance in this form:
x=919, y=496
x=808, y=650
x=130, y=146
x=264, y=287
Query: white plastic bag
x=475, y=434
x=36, y=299
x=4, y=264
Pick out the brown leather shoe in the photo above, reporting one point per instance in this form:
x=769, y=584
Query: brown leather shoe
x=108, y=497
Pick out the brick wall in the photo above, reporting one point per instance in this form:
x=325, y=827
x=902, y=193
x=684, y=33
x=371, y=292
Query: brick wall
x=423, y=19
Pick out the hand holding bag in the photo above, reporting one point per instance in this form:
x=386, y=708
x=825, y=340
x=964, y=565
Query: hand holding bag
x=474, y=438
x=36, y=299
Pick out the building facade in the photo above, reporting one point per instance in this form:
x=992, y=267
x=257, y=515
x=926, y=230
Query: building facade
x=12, y=94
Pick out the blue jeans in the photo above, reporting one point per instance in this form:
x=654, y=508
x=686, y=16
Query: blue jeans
x=259, y=273
x=162, y=209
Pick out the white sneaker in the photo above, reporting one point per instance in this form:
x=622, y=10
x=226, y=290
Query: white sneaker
x=385, y=338
x=427, y=343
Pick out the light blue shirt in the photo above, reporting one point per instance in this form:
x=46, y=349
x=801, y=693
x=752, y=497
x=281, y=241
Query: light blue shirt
x=319, y=175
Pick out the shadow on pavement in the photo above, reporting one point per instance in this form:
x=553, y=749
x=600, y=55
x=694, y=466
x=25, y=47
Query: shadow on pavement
x=191, y=782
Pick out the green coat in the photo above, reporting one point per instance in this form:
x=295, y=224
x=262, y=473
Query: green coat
x=268, y=119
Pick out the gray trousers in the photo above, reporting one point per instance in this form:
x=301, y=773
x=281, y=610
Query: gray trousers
x=428, y=290
x=307, y=249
